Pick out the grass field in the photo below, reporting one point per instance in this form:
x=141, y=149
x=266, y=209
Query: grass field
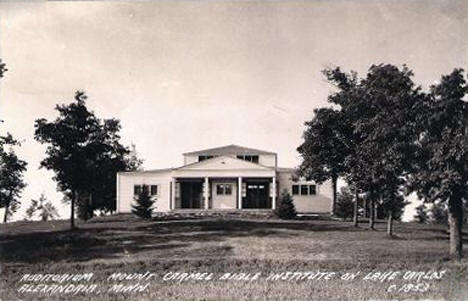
x=125, y=244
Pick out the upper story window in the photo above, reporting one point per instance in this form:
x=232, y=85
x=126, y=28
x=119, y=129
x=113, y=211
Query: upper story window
x=304, y=189
x=250, y=158
x=203, y=158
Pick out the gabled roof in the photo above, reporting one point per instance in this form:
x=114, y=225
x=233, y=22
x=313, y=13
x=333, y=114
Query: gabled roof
x=229, y=150
x=224, y=163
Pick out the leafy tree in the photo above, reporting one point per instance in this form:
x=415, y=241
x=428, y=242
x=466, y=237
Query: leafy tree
x=85, y=154
x=43, y=208
x=393, y=206
x=379, y=110
x=286, y=208
x=345, y=204
x=325, y=148
x=11, y=176
x=3, y=68
x=441, y=171
x=144, y=203
x=421, y=215
x=439, y=213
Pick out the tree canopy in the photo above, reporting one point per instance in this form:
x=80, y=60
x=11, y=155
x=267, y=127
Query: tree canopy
x=441, y=166
x=11, y=175
x=387, y=138
x=85, y=154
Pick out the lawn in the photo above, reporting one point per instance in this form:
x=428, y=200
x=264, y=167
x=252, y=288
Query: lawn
x=216, y=245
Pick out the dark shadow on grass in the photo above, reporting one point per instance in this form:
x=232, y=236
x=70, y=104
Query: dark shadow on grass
x=95, y=240
x=74, y=245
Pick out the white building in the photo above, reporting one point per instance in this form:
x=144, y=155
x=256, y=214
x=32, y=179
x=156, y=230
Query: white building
x=223, y=178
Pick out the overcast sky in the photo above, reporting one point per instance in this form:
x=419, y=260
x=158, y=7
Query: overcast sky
x=184, y=76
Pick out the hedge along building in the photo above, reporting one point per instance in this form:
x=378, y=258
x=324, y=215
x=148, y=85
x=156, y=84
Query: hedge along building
x=223, y=178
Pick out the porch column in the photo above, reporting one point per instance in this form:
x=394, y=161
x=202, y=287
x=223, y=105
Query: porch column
x=206, y=192
x=239, y=193
x=273, y=198
x=173, y=194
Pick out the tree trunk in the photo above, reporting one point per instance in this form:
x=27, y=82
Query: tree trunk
x=75, y=195
x=376, y=211
x=455, y=219
x=334, y=184
x=5, y=216
x=7, y=207
x=356, y=208
x=365, y=207
x=371, y=214
x=390, y=224
x=90, y=206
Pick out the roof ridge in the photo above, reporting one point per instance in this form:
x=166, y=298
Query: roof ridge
x=219, y=148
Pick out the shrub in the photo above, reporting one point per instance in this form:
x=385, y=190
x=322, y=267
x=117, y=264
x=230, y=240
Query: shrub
x=144, y=204
x=286, y=209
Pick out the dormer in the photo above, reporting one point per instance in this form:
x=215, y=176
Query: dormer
x=256, y=156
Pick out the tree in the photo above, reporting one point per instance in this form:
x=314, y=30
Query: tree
x=439, y=213
x=356, y=208
x=43, y=208
x=379, y=110
x=393, y=207
x=345, y=204
x=85, y=154
x=324, y=148
x=421, y=215
x=3, y=68
x=441, y=171
x=11, y=176
x=286, y=208
x=144, y=203
x=114, y=158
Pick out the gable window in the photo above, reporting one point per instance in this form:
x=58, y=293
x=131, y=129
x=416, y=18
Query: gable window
x=203, y=158
x=223, y=189
x=250, y=158
x=304, y=189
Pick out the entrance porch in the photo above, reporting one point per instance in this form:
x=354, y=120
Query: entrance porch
x=223, y=193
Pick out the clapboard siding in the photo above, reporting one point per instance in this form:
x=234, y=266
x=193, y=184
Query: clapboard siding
x=127, y=182
x=319, y=203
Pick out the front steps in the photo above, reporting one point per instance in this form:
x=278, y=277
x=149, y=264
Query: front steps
x=262, y=213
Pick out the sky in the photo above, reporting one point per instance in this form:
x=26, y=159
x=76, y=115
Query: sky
x=189, y=75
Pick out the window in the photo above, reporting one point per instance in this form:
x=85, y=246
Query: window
x=304, y=189
x=295, y=189
x=312, y=190
x=220, y=189
x=250, y=158
x=223, y=189
x=203, y=158
x=136, y=189
x=154, y=189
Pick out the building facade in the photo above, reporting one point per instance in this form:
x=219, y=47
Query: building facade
x=223, y=178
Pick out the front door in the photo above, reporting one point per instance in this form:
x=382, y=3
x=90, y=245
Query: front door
x=257, y=195
x=191, y=195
